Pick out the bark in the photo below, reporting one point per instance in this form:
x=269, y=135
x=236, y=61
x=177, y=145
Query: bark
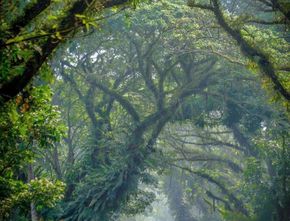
x=15, y=85
x=243, y=141
x=251, y=52
x=33, y=212
x=248, y=50
x=214, y=197
x=56, y=163
x=120, y=99
x=29, y=14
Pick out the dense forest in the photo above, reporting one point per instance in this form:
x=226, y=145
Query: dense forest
x=130, y=110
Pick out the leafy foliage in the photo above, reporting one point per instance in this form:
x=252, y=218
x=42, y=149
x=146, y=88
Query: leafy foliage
x=191, y=99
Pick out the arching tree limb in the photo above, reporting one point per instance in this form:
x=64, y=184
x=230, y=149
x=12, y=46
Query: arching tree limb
x=15, y=85
x=249, y=51
x=237, y=203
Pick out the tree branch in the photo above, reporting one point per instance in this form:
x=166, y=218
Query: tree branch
x=15, y=85
x=29, y=14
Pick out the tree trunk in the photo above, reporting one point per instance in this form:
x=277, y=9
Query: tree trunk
x=33, y=212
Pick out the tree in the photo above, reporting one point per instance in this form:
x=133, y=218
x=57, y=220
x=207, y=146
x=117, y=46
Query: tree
x=160, y=95
x=24, y=135
x=138, y=94
x=254, y=53
x=49, y=36
x=229, y=134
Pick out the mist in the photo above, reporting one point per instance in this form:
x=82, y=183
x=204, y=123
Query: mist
x=144, y=111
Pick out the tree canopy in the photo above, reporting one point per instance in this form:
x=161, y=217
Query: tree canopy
x=159, y=110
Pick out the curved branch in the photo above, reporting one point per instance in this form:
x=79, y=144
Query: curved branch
x=235, y=167
x=251, y=52
x=237, y=203
x=120, y=99
x=211, y=195
x=15, y=85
